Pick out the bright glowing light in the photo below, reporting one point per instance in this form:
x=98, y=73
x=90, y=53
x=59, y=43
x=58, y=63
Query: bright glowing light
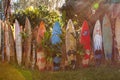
x=31, y=8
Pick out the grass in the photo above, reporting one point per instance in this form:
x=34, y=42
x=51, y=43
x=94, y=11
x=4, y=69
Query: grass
x=10, y=72
x=102, y=73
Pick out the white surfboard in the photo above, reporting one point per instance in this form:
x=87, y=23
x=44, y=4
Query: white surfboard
x=18, y=42
x=97, y=36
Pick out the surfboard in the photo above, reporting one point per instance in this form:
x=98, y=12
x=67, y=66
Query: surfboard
x=71, y=42
x=12, y=44
x=56, y=32
x=107, y=37
x=33, y=54
x=55, y=39
x=41, y=61
x=97, y=37
x=117, y=35
x=0, y=35
x=97, y=43
x=70, y=37
x=18, y=42
x=86, y=42
x=27, y=42
x=7, y=42
x=2, y=41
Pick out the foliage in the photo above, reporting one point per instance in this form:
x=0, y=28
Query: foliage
x=36, y=15
x=50, y=49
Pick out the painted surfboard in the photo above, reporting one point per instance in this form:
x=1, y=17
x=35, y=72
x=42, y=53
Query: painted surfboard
x=27, y=43
x=56, y=32
x=7, y=42
x=97, y=38
x=41, y=61
x=86, y=42
x=107, y=37
x=70, y=37
x=18, y=42
x=71, y=43
x=117, y=35
x=55, y=39
x=3, y=41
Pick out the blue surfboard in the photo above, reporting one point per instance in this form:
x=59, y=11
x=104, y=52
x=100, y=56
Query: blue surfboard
x=55, y=39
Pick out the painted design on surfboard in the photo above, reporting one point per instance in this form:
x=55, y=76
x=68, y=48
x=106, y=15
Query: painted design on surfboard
x=70, y=37
x=97, y=36
x=117, y=35
x=55, y=39
x=107, y=37
x=18, y=42
x=97, y=40
x=41, y=61
x=85, y=41
x=71, y=44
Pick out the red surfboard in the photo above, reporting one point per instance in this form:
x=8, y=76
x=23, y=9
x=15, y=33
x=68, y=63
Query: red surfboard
x=85, y=41
x=41, y=62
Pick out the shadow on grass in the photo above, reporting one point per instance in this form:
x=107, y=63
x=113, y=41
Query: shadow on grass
x=13, y=72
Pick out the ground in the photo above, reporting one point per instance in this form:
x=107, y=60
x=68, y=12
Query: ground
x=13, y=72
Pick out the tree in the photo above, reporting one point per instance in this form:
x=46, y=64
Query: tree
x=7, y=5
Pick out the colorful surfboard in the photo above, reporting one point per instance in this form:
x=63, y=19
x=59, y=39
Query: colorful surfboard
x=55, y=39
x=56, y=32
x=97, y=43
x=97, y=38
x=71, y=43
x=86, y=42
x=7, y=42
x=107, y=37
x=18, y=42
x=70, y=37
x=41, y=61
x=117, y=35
x=27, y=43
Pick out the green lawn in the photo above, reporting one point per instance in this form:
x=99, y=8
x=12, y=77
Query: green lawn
x=9, y=72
